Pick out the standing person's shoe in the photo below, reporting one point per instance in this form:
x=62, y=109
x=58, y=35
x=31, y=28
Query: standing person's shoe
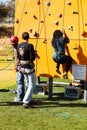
x=17, y=100
x=26, y=106
x=65, y=75
x=32, y=102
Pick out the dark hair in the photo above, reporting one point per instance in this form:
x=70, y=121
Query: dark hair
x=25, y=35
x=57, y=34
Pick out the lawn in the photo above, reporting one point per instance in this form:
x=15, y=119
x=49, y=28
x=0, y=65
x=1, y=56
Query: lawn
x=59, y=113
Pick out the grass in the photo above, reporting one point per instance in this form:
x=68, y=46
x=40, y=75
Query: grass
x=59, y=113
x=56, y=114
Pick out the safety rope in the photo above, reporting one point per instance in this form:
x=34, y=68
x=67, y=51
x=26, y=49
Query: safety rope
x=21, y=18
x=7, y=52
x=3, y=68
x=42, y=25
x=39, y=18
x=36, y=65
x=63, y=14
x=6, y=66
x=64, y=115
x=44, y=21
x=78, y=22
x=16, y=3
x=82, y=21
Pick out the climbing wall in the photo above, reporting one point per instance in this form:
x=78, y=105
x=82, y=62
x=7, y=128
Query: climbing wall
x=41, y=18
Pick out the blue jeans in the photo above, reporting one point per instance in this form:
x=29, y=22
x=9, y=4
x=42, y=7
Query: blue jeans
x=20, y=85
x=30, y=83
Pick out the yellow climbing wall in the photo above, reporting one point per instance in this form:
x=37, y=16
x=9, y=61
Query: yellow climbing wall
x=41, y=18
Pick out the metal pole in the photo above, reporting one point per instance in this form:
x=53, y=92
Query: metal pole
x=50, y=88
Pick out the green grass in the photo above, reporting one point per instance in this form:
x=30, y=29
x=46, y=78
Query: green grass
x=59, y=113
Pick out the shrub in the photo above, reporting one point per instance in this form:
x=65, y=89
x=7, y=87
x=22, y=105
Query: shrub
x=6, y=31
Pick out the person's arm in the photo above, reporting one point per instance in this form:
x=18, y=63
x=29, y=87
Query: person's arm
x=32, y=52
x=17, y=62
x=65, y=36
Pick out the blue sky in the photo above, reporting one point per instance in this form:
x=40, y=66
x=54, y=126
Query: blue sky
x=3, y=0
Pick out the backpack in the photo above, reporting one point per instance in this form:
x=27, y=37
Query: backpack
x=26, y=51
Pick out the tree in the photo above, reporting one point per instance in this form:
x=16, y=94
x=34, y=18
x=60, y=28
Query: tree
x=7, y=8
x=11, y=7
x=3, y=10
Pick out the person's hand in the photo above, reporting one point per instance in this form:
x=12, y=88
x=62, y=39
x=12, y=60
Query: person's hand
x=14, y=45
x=63, y=31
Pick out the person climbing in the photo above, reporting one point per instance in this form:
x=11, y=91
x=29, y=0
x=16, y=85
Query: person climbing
x=59, y=43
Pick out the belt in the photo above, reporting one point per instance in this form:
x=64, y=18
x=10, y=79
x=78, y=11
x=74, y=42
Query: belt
x=27, y=71
x=60, y=53
x=24, y=62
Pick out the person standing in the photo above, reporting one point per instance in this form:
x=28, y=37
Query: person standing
x=26, y=56
x=19, y=75
x=59, y=43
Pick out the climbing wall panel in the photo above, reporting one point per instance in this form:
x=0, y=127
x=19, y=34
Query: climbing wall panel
x=41, y=18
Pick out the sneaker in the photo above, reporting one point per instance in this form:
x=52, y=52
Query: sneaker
x=14, y=91
x=32, y=102
x=65, y=75
x=26, y=106
x=58, y=71
x=17, y=100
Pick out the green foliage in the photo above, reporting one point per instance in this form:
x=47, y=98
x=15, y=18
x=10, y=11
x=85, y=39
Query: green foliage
x=7, y=8
x=3, y=10
x=6, y=31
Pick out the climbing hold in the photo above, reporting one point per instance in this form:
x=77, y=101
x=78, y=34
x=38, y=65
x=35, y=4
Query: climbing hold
x=25, y=12
x=84, y=34
x=85, y=24
x=60, y=15
x=45, y=40
x=34, y=17
x=56, y=22
x=36, y=34
x=69, y=3
x=49, y=14
x=30, y=30
x=48, y=3
x=17, y=21
x=70, y=28
x=75, y=12
x=75, y=47
x=42, y=21
x=38, y=2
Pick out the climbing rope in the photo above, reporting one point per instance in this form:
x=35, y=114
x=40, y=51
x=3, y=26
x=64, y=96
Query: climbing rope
x=82, y=21
x=16, y=3
x=44, y=21
x=21, y=18
x=40, y=29
x=44, y=17
x=78, y=22
x=63, y=14
x=64, y=115
x=6, y=51
x=7, y=65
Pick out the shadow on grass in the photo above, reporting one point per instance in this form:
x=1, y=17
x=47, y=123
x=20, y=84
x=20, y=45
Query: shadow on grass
x=58, y=100
x=10, y=104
